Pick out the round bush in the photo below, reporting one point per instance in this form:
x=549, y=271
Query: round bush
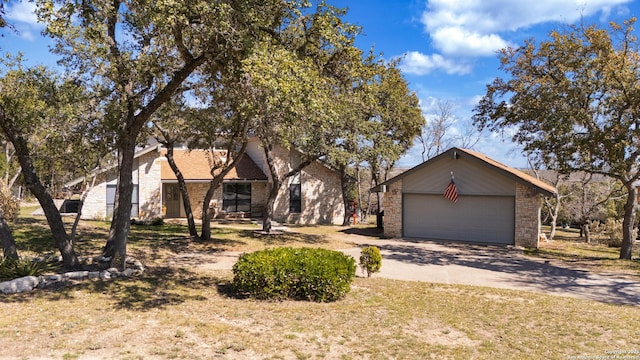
x=301, y=274
x=370, y=260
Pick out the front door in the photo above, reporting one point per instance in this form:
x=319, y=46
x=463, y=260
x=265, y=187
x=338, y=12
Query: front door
x=171, y=200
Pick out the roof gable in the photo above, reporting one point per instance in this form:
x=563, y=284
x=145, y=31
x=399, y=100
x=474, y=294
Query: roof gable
x=196, y=165
x=484, y=161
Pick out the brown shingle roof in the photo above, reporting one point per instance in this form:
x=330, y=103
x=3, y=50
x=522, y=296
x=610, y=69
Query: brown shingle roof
x=196, y=165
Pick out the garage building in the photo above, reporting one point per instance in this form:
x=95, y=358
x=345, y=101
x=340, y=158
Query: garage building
x=487, y=202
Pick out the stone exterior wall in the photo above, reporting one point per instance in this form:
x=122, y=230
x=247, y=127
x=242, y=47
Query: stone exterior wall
x=149, y=186
x=197, y=192
x=392, y=220
x=321, y=189
x=321, y=198
x=146, y=175
x=527, y=221
x=259, y=193
x=95, y=204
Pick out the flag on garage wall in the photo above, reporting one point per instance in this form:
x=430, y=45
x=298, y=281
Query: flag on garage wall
x=451, y=192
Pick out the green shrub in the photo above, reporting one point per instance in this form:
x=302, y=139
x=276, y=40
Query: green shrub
x=301, y=274
x=10, y=205
x=16, y=268
x=370, y=260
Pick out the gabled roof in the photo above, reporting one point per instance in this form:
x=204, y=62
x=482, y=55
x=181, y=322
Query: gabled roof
x=98, y=171
x=195, y=165
x=512, y=173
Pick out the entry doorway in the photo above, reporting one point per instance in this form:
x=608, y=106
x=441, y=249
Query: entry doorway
x=171, y=200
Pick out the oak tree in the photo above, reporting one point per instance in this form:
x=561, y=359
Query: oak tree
x=574, y=100
x=136, y=55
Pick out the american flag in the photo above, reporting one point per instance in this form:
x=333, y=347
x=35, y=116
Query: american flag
x=451, y=193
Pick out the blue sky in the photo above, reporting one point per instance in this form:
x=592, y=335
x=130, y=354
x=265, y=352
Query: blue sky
x=448, y=46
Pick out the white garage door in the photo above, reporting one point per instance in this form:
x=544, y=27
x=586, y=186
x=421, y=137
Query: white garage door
x=487, y=219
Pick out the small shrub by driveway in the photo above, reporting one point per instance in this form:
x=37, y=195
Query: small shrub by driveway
x=498, y=267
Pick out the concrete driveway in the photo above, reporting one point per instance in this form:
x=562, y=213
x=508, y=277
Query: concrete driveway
x=495, y=266
x=466, y=264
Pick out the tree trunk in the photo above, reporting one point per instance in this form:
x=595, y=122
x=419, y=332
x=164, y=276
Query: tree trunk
x=363, y=212
x=8, y=242
x=379, y=215
x=183, y=192
x=628, y=221
x=584, y=227
x=344, y=185
x=80, y=205
x=33, y=183
x=268, y=209
x=206, y=214
x=116, y=247
x=554, y=219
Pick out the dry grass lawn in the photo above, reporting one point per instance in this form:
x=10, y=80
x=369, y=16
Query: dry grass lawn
x=174, y=312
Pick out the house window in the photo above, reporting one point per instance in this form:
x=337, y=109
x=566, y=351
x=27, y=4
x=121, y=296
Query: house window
x=295, y=198
x=236, y=197
x=111, y=199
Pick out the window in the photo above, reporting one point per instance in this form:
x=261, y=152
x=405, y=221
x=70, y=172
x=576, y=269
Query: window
x=111, y=199
x=236, y=197
x=295, y=198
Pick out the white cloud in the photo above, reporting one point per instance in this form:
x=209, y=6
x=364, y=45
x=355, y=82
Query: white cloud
x=459, y=41
x=478, y=27
x=420, y=64
x=24, y=12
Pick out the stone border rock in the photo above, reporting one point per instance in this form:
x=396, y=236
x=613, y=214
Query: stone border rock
x=29, y=283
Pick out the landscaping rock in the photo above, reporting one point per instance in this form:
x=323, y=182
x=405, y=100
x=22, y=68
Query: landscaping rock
x=19, y=285
x=28, y=283
x=128, y=272
x=76, y=275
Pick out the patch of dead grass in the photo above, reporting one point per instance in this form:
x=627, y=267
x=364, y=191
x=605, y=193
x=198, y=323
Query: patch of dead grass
x=181, y=314
x=176, y=311
x=568, y=247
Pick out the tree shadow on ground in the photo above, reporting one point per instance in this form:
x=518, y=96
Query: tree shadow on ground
x=156, y=288
x=373, y=232
x=522, y=272
x=284, y=237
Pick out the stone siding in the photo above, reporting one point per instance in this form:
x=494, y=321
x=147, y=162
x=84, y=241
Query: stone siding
x=392, y=220
x=197, y=191
x=95, y=204
x=149, y=186
x=321, y=197
x=321, y=188
x=527, y=217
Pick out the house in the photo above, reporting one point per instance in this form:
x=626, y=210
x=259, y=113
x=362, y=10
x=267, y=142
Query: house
x=496, y=204
x=312, y=197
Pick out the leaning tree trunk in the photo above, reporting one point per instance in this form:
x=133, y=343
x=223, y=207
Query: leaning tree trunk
x=33, y=183
x=6, y=237
x=628, y=221
x=116, y=247
x=183, y=192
